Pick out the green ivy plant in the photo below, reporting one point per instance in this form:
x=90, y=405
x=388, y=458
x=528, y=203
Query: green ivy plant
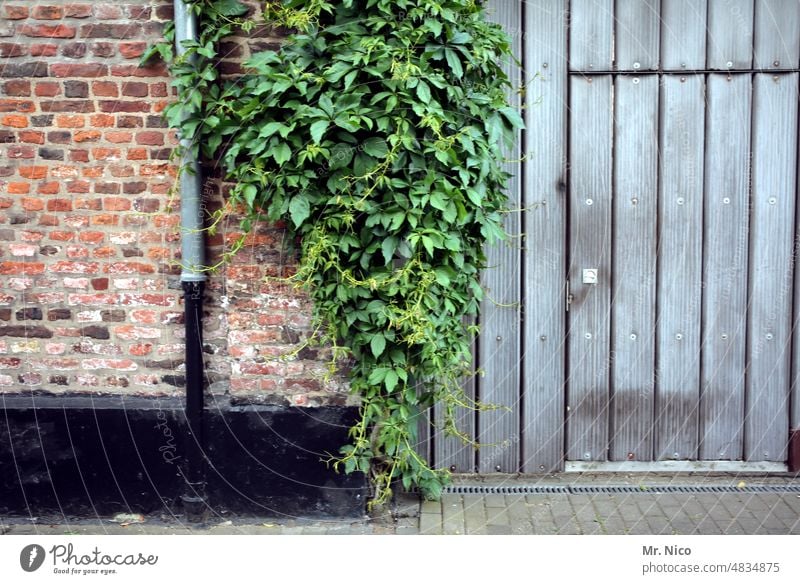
x=376, y=132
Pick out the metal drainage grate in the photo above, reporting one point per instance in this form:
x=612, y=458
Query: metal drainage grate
x=611, y=489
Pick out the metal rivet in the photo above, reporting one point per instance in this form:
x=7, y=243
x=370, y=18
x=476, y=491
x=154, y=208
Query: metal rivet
x=683, y=65
x=772, y=200
x=636, y=65
x=729, y=64
x=590, y=65
x=726, y=201
x=587, y=455
x=497, y=468
x=683, y=79
x=499, y=338
x=636, y=81
x=634, y=201
x=776, y=63
x=633, y=336
x=630, y=456
x=769, y=336
x=544, y=65
x=724, y=336
x=678, y=337
x=541, y=467
x=589, y=202
x=588, y=335
x=775, y=78
x=729, y=78
x=680, y=200
x=543, y=338
x=676, y=455
x=452, y=468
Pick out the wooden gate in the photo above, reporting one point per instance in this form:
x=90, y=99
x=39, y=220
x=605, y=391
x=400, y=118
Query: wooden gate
x=643, y=308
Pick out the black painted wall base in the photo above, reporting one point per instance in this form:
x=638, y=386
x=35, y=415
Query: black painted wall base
x=96, y=456
x=794, y=450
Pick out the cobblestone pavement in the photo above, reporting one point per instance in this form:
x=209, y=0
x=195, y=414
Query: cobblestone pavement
x=651, y=509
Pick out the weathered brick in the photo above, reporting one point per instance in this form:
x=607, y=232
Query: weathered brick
x=23, y=70
x=78, y=70
x=47, y=89
x=42, y=121
x=96, y=332
x=111, y=31
x=44, y=50
x=26, y=331
x=30, y=313
x=85, y=106
x=124, y=106
x=14, y=121
x=59, y=314
x=17, y=88
x=75, y=50
x=15, y=12
x=12, y=50
x=32, y=137
x=54, y=31
x=104, y=49
x=105, y=89
x=78, y=10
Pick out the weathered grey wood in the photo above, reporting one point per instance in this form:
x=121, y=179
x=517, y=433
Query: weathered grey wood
x=730, y=34
x=452, y=452
x=499, y=348
x=634, y=266
x=590, y=247
x=544, y=235
x=727, y=191
x=638, y=28
x=777, y=34
x=683, y=34
x=591, y=37
x=679, y=269
x=771, y=243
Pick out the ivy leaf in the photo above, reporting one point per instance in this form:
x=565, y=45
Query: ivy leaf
x=378, y=344
x=318, y=130
x=390, y=380
x=454, y=63
x=299, y=209
x=230, y=8
x=376, y=147
x=388, y=247
x=423, y=92
x=281, y=153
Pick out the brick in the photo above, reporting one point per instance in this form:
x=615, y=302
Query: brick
x=79, y=283
x=116, y=204
x=33, y=172
x=96, y=332
x=51, y=154
x=112, y=315
x=132, y=50
x=23, y=70
x=74, y=50
x=17, y=105
x=111, y=31
x=22, y=249
x=31, y=137
x=18, y=188
x=100, y=283
x=30, y=313
x=107, y=12
x=48, y=188
x=135, y=333
x=128, y=268
x=141, y=349
x=103, y=49
x=150, y=138
x=79, y=156
x=59, y=314
x=53, y=31
x=92, y=299
x=107, y=188
x=64, y=172
x=15, y=12
x=47, y=12
x=78, y=70
x=42, y=121
x=67, y=267
x=144, y=299
x=157, y=70
x=17, y=88
x=78, y=10
x=62, y=235
x=102, y=121
x=26, y=331
x=44, y=50
x=47, y=89
x=135, y=89
x=118, y=364
x=86, y=204
x=129, y=122
x=124, y=106
x=137, y=154
x=119, y=137
x=55, y=106
x=21, y=151
x=12, y=50
x=14, y=121
x=105, y=89
x=87, y=136
x=70, y=121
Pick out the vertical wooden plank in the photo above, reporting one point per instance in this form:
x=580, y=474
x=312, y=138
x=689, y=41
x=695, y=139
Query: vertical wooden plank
x=591, y=36
x=679, y=269
x=683, y=34
x=634, y=266
x=544, y=235
x=638, y=28
x=590, y=248
x=777, y=34
x=730, y=34
x=499, y=347
x=727, y=192
x=771, y=271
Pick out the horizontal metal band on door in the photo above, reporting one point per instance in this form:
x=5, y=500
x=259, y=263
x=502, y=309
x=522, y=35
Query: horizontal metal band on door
x=613, y=489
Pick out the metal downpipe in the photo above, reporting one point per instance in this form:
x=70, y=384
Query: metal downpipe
x=193, y=282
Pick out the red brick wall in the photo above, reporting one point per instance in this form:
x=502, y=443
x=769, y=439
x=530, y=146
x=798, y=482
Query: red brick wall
x=90, y=297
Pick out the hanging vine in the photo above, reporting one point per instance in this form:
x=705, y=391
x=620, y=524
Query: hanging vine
x=376, y=132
